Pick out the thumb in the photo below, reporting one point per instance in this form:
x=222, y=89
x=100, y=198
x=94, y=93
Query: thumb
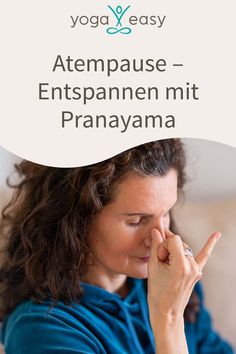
x=156, y=241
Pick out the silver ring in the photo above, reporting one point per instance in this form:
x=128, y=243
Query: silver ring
x=188, y=252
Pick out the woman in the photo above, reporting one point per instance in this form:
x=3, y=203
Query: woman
x=81, y=243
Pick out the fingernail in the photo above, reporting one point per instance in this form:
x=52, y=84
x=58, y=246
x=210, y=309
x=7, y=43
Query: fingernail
x=218, y=235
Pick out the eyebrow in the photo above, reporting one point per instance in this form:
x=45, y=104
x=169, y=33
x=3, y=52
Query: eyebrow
x=146, y=214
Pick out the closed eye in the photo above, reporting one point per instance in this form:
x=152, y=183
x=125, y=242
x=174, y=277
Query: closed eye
x=137, y=223
x=143, y=220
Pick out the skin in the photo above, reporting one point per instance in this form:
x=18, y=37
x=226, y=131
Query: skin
x=120, y=238
x=176, y=277
x=131, y=237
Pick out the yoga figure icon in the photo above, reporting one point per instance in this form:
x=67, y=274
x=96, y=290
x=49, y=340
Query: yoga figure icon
x=119, y=13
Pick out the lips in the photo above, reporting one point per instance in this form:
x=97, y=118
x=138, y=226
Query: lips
x=144, y=259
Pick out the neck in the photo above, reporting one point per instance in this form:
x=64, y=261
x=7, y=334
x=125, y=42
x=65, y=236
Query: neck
x=114, y=283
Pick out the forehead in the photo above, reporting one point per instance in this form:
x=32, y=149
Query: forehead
x=138, y=192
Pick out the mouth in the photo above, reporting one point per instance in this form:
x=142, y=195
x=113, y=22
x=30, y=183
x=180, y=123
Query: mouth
x=143, y=259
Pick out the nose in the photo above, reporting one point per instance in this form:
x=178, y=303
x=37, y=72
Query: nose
x=160, y=226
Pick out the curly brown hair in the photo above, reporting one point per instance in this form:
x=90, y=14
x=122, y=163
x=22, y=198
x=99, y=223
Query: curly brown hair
x=49, y=217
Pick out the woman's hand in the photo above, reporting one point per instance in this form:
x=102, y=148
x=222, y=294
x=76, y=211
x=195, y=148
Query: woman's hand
x=172, y=275
x=171, y=278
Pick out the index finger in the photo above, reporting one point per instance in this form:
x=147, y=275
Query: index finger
x=205, y=253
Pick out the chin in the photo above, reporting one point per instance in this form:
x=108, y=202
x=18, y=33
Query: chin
x=138, y=273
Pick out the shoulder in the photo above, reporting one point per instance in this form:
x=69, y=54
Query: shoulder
x=33, y=325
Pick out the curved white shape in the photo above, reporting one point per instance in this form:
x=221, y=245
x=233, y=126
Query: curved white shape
x=190, y=34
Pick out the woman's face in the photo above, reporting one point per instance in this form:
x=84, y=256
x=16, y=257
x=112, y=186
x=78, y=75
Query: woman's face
x=120, y=237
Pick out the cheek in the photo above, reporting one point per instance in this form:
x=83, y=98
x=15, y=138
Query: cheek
x=113, y=240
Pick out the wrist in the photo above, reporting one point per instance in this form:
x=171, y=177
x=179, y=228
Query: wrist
x=167, y=322
x=169, y=334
